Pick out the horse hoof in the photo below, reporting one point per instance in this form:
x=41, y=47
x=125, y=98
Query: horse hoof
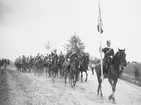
x=101, y=96
x=114, y=102
x=110, y=97
x=113, y=99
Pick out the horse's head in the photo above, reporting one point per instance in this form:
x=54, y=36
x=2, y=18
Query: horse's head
x=121, y=56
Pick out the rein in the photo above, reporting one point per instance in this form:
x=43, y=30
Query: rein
x=82, y=64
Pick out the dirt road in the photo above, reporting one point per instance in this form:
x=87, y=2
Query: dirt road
x=27, y=89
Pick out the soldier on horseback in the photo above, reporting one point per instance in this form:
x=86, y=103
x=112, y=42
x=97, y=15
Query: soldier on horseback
x=54, y=57
x=73, y=56
x=61, y=57
x=108, y=55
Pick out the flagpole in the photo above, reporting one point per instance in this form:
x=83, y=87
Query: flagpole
x=101, y=60
x=100, y=46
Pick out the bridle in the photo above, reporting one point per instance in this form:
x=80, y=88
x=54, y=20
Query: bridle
x=122, y=62
x=81, y=63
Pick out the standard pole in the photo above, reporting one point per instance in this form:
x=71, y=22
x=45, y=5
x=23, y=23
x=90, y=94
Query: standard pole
x=100, y=45
x=101, y=60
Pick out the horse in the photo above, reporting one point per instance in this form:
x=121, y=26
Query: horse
x=83, y=66
x=54, y=68
x=66, y=70
x=92, y=67
x=74, y=71
x=60, y=66
x=114, y=71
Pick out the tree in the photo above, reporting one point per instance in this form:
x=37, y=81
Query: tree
x=75, y=45
x=48, y=46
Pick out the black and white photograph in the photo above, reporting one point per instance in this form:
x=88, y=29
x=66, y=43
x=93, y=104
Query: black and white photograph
x=70, y=52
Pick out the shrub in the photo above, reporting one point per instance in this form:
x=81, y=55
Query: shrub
x=137, y=73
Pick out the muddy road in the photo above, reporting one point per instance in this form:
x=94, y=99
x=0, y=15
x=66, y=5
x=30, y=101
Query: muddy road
x=26, y=89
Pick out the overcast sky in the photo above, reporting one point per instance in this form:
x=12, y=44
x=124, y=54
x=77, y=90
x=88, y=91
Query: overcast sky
x=27, y=25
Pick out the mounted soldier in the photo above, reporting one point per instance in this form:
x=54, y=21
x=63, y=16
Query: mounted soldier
x=61, y=57
x=54, y=57
x=108, y=56
x=73, y=56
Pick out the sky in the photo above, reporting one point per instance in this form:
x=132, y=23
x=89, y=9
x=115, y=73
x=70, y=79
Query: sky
x=27, y=25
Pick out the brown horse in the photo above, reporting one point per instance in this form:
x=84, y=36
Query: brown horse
x=74, y=71
x=83, y=63
x=114, y=71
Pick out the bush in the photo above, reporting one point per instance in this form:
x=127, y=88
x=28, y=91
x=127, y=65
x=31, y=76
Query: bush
x=132, y=73
x=137, y=73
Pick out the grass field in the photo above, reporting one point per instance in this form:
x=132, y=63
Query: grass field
x=131, y=68
x=129, y=73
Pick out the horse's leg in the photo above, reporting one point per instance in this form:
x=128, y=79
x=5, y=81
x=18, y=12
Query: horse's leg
x=99, y=86
x=71, y=79
x=92, y=71
x=113, y=84
x=56, y=73
x=81, y=76
x=66, y=74
x=75, y=79
x=49, y=71
x=110, y=81
x=61, y=75
x=86, y=75
x=61, y=72
x=101, y=89
x=113, y=90
x=38, y=71
x=46, y=71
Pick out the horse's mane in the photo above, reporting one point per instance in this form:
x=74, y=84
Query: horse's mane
x=115, y=57
x=115, y=60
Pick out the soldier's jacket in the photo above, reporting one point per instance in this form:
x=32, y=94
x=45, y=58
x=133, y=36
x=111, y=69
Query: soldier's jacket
x=108, y=52
x=73, y=56
x=54, y=58
x=61, y=57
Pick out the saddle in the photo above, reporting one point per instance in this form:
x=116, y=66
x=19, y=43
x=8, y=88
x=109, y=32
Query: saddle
x=106, y=62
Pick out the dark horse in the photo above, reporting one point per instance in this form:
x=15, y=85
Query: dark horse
x=114, y=71
x=84, y=61
x=74, y=71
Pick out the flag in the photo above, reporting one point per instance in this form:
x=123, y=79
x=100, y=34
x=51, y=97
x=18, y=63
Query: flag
x=100, y=24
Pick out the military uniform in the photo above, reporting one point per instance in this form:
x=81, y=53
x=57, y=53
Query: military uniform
x=73, y=56
x=108, y=55
x=61, y=58
x=54, y=57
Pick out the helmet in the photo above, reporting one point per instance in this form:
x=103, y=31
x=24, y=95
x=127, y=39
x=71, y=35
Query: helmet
x=55, y=50
x=108, y=41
